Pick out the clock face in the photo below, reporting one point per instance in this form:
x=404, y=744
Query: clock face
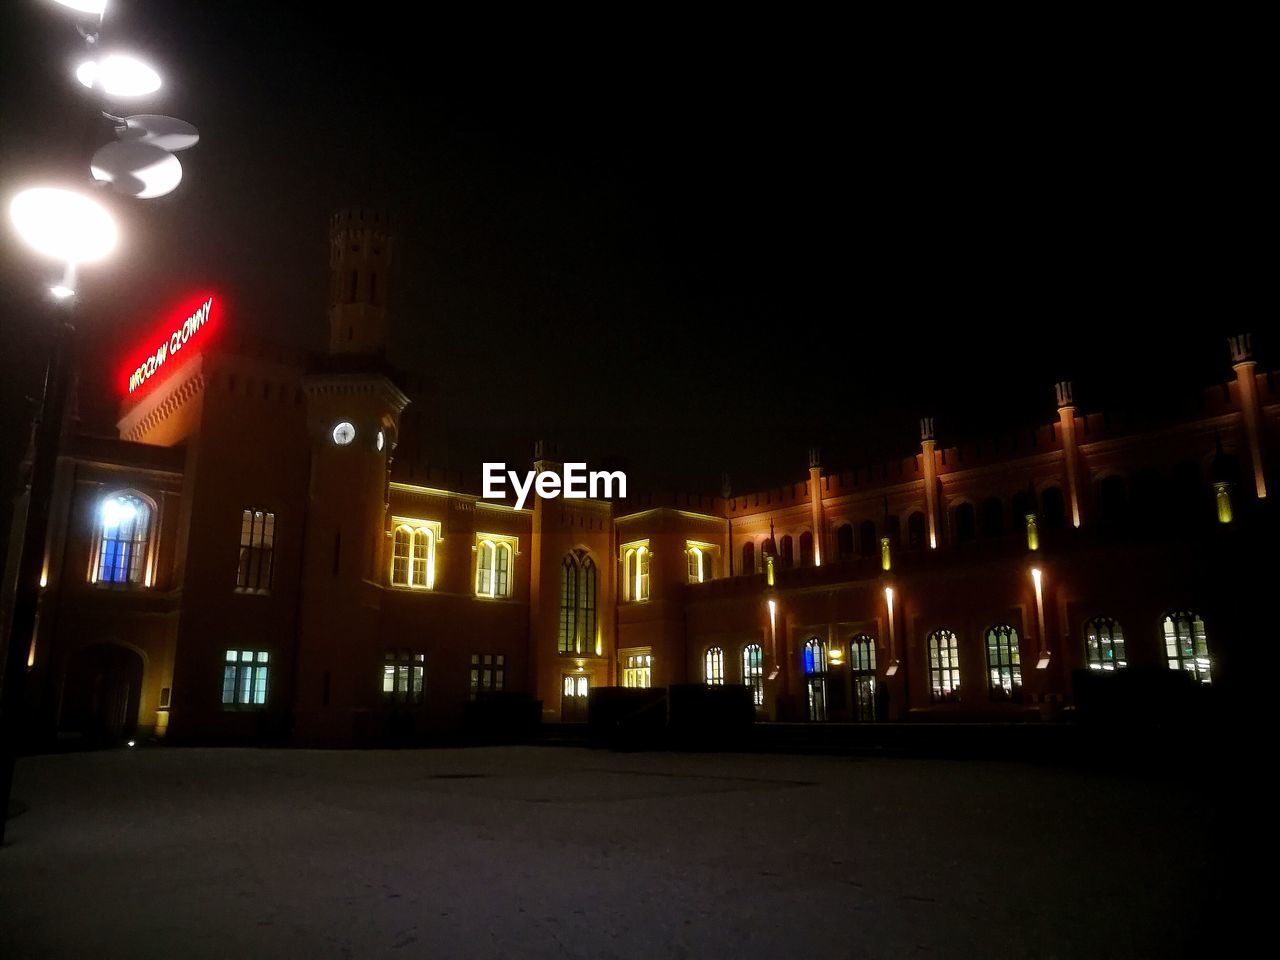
x=343, y=433
x=381, y=440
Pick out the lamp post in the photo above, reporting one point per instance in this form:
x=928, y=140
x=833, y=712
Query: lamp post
x=71, y=228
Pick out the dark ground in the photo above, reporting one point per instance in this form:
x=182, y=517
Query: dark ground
x=555, y=852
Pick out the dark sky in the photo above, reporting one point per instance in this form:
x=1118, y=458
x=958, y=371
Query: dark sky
x=702, y=247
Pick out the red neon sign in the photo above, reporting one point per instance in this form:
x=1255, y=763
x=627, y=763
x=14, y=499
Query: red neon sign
x=188, y=326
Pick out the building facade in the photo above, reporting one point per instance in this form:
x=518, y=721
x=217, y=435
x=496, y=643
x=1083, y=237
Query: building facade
x=248, y=560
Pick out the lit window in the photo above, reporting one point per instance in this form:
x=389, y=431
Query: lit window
x=257, y=550
x=1004, y=663
x=1104, y=644
x=637, y=670
x=124, y=540
x=815, y=670
x=402, y=677
x=695, y=565
x=578, y=604
x=493, y=566
x=486, y=673
x=753, y=672
x=413, y=554
x=715, y=666
x=244, y=678
x=862, y=667
x=635, y=566
x=944, y=666
x=1186, y=644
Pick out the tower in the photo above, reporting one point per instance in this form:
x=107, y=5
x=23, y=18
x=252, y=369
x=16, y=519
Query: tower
x=359, y=268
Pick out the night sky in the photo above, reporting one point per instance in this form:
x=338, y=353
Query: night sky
x=699, y=247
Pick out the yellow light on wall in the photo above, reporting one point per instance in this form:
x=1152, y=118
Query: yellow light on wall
x=1222, y=494
x=1033, y=532
x=836, y=656
x=886, y=556
x=1036, y=577
x=768, y=569
x=893, y=645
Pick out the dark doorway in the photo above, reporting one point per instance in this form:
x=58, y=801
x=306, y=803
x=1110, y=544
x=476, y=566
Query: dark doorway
x=103, y=689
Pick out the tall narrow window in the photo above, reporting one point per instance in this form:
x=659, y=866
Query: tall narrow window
x=915, y=531
x=862, y=667
x=257, y=549
x=714, y=673
x=844, y=541
x=635, y=573
x=748, y=558
x=484, y=568
x=806, y=549
x=753, y=672
x=815, y=671
x=868, y=542
x=1104, y=644
x=944, y=667
x=578, y=605
x=963, y=523
x=400, y=557
x=1187, y=645
x=423, y=548
x=695, y=565
x=244, y=678
x=787, y=555
x=502, y=571
x=124, y=537
x=1004, y=663
x=403, y=677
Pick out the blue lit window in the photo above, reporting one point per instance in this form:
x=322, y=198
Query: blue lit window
x=124, y=532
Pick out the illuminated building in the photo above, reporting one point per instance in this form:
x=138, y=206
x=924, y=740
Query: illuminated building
x=249, y=559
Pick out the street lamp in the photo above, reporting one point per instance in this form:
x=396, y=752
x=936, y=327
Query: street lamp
x=72, y=228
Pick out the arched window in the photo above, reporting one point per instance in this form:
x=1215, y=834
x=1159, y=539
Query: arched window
x=916, y=531
x=963, y=523
x=578, y=604
x=944, y=667
x=715, y=666
x=413, y=557
x=1021, y=506
x=862, y=667
x=124, y=539
x=1053, y=507
x=806, y=549
x=696, y=572
x=493, y=568
x=753, y=672
x=815, y=670
x=1112, y=502
x=787, y=556
x=868, y=542
x=635, y=565
x=844, y=541
x=1004, y=663
x=992, y=517
x=1104, y=644
x=1186, y=644
x=748, y=558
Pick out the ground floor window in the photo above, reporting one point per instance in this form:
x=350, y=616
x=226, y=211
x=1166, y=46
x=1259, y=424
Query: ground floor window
x=753, y=672
x=1186, y=644
x=637, y=670
x=944, y=666
x=815, y=670
x=1004, y=663
x=715, y=666
x=487, y=671
x=402, y=677
x=1104, y=644
x=244, y=678
x=862, y=666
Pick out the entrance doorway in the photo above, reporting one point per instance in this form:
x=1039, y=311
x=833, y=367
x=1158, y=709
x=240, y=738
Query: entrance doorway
x=102, y=693
x=573, y=701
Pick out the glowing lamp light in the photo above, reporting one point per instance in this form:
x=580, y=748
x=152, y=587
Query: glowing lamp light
x=886, y=555
x=61, y=292
x=1033, y=532
x=116, y=512
x=133, y=743
x=1222, y=496
x=119, y=75
x=63, y=225
x=84, y=6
